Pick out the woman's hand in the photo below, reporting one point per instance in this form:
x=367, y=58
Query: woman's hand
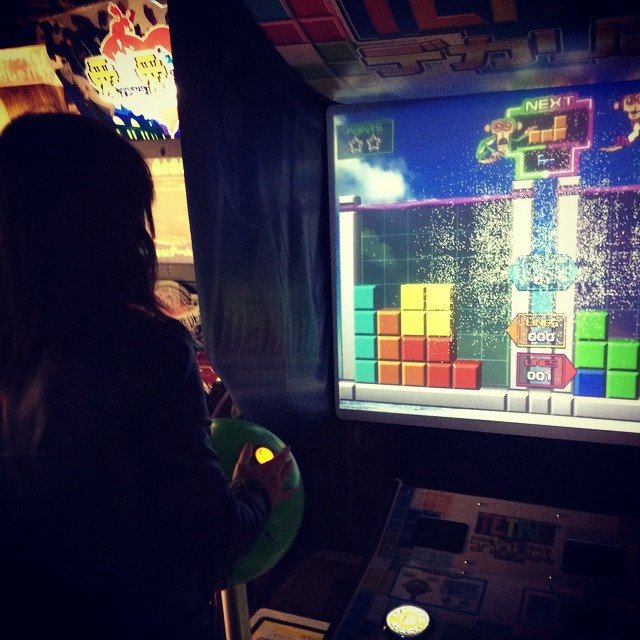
x=272, y=475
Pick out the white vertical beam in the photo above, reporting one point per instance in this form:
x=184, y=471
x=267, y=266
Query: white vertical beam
x=349, y=256
x=567, y=244
x=521, y=245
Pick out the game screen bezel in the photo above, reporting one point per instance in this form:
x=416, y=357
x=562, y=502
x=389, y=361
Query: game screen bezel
x=529, y=200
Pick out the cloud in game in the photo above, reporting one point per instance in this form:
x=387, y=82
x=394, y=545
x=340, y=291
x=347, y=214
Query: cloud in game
x=374, y=184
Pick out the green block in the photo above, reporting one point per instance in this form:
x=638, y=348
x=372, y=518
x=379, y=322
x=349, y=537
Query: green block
x=622, y=384
x=368, y=296
x=469, y=346
x=495, y=373
x=364, y=322
x=591, y=325
x=623, y=354
x=367, y=371
x=590, y=354
x=366, y=347
x=495, y=347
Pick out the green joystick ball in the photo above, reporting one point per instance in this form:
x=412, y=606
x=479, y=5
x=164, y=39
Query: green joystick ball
x=228, y=436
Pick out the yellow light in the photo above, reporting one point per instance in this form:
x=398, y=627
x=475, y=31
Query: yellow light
x=263, y=455
x=407, y=621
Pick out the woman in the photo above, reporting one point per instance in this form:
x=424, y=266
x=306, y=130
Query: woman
x=117, y=521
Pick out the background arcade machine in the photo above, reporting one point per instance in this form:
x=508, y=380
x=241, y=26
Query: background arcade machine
x=113, y=62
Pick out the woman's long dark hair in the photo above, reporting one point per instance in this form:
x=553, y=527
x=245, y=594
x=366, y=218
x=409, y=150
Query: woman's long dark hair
x=76, y=237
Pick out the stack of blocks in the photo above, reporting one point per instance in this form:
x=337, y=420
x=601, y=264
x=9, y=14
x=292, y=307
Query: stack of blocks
x=414, y=345
x=606, y=367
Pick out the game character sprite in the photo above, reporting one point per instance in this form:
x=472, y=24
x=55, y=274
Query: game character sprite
x=630, y=104
x=495, y=146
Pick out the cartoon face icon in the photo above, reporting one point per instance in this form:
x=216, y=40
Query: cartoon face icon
x=502, y=129
x=631, y=105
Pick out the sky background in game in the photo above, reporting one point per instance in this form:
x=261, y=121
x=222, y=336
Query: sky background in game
x=435, y=143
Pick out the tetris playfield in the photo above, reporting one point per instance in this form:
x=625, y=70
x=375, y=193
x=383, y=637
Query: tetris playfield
x=494, y=272
x=488, y=569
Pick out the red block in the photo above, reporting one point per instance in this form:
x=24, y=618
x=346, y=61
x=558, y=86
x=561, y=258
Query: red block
x=441, y=349
x=439, y=374
x=467, y=374
x=414, y=348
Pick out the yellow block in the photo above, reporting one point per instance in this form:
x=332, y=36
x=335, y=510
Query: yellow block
x=413, y=323
x=440, y=323
x=412, y=296
x=439, y=297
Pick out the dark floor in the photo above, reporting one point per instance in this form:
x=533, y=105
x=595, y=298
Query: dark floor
x=311, y=583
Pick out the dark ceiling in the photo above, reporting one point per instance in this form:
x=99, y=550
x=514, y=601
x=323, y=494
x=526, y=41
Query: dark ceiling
x=18, y=18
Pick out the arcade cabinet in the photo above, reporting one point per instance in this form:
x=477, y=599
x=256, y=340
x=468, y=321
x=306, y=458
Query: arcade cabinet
x=482, y=169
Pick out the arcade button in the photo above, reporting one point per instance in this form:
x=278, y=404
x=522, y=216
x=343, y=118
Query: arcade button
x=228, y=436
x=407, y=622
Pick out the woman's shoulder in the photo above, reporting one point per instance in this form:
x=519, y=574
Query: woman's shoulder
x=157, y=333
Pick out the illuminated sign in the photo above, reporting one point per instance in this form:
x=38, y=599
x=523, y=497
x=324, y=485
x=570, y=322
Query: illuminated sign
x=543, y=135
x=24, y=66
x=538, y=330
x=364, y=139
x=556, y=129
x=544, y=370
x=135, y=73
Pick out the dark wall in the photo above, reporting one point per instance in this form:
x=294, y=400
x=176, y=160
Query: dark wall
x=350, y=466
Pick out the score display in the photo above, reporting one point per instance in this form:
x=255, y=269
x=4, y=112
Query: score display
x=487, y=261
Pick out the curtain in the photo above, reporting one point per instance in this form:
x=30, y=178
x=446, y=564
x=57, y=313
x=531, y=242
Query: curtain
x=254, y=150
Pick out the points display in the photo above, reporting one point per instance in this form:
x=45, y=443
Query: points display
x=487, y=261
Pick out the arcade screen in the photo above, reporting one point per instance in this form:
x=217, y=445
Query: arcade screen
x=487, y=261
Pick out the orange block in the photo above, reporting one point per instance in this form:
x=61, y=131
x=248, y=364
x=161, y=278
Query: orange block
x=388, y=348
x=388, y=322
x=547, y=135
x=559, y=134
x=389, y=372
x=534, y=136
x=414, y=374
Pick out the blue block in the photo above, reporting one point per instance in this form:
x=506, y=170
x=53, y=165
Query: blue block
x=367, y=371
x=589, y=382
x=366, y=347
x=364, y=322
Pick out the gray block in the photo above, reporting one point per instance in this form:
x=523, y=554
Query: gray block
x=587, y=407
x=517, y=401
x=346, y=390
x=540, y=402
x=488, y=399
x=561, y=404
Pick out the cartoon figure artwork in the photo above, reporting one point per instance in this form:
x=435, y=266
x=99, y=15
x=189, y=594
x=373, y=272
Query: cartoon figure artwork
x=121, y=67
x=122, y=35
x=495, y=146
x=630, y=104
x=543, y=135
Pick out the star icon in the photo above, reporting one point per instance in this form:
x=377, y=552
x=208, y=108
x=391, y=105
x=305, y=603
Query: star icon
x=374, y=142
x=355, y=145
